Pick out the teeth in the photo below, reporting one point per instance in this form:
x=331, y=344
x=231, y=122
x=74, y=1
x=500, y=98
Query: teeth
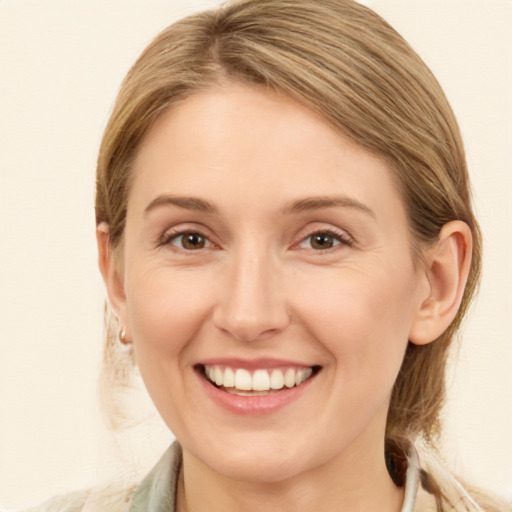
x=302, y=375
x=229, y=378
x=289, y=378
x=219, y=376
x=277, y=379
x=260, y=381
x=243, y=380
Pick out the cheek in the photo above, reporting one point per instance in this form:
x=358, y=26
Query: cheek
x=362, y=319
x=167, y=308
x=166, y=311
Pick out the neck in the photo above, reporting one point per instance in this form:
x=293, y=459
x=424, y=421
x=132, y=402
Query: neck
x=356, y=482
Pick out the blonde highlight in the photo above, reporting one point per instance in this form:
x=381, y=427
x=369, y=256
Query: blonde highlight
x=347, y=64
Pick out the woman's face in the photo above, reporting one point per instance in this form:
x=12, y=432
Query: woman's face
x=263, y=249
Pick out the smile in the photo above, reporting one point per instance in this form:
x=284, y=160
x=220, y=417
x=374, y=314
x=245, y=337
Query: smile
x=260, y=382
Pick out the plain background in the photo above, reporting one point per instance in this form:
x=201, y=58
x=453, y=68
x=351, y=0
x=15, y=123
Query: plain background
x=61, y=63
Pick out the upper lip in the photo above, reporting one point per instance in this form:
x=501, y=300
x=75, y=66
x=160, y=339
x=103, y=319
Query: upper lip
x=253, y=364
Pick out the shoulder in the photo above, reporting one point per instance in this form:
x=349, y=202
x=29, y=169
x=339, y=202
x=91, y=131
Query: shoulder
x=114, y=498
x=157, y=487
x=439, y=489
x=72, y=502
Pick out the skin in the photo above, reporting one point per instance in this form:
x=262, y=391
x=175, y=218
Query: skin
x=257, y=286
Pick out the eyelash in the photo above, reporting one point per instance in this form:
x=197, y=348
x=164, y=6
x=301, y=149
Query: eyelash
x=342, y=238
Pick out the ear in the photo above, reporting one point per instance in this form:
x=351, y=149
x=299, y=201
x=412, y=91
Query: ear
x=113, y=279
x=448, y=264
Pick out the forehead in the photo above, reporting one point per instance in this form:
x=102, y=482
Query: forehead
x=237, y=142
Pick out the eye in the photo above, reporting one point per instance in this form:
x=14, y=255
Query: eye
x=189, y=240
x=324, y=240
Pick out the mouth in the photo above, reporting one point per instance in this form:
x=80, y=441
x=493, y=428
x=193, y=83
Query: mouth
x=257, y=382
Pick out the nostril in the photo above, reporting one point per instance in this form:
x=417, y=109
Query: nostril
x=249, y=330
x=248, y=314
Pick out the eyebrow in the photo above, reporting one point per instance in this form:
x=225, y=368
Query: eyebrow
x=187, y=203
x=302, y=205
x=316, y=203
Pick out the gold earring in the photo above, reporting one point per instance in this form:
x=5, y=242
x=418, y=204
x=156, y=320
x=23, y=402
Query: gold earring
x=122, y=336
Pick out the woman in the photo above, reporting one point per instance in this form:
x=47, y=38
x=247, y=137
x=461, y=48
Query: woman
x=286, y=234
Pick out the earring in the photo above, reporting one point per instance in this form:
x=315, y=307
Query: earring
x=122, y=336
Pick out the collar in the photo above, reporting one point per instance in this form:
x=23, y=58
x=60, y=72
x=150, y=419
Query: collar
x=157, y=492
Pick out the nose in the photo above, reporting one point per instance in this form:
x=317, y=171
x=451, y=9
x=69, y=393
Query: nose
x=252, y=303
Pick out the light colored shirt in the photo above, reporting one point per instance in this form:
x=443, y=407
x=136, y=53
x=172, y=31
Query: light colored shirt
x=157, y=491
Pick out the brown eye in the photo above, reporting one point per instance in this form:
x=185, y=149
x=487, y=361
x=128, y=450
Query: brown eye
x=190, y=241
x=325, y=240
x=322, y=241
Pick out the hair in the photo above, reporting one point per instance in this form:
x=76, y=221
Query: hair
x=347, y=64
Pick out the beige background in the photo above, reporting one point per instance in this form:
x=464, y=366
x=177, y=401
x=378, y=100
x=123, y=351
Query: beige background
x=60, y=65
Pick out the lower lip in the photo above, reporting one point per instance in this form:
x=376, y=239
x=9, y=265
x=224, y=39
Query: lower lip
x=254, y=405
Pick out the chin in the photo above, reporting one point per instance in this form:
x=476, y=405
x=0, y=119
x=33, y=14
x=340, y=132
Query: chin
x=262, y=469
x=257, y=460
